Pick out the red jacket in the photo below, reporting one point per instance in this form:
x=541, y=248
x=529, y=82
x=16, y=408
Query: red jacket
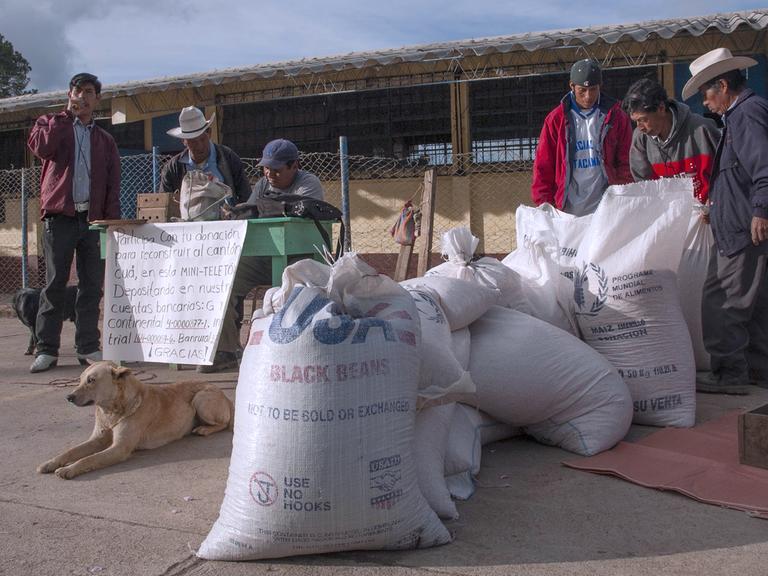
x=552, y=166
x=53, y=141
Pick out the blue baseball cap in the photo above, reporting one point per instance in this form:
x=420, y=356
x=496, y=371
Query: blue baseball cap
x=278, y=153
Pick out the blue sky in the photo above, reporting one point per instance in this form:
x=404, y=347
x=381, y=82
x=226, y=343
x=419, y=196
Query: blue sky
x=143, y=39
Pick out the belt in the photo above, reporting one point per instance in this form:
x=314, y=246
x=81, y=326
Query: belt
x=81, y=206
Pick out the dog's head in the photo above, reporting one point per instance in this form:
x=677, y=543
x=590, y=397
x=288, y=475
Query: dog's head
x=100, y=384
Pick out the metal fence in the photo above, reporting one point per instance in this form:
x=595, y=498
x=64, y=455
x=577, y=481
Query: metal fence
x=480, y=195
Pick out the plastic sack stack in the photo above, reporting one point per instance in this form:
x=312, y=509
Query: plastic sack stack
x=322, y=456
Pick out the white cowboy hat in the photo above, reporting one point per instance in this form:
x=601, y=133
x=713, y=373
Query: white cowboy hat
x=712, y=64
x=192, y=123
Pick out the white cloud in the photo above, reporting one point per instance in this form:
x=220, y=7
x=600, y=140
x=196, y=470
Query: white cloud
x=142, y=39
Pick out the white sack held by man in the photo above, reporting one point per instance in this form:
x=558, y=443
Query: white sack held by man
x=625, y=297
x=322, y=456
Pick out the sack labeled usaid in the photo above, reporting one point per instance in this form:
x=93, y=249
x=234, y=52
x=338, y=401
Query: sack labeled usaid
x=322, y=455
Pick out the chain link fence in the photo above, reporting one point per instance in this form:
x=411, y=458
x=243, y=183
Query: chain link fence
x=480, y=195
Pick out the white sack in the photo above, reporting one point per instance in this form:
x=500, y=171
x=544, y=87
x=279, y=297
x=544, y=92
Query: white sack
x=460, y=346
x=458, y=248
x=470, y=430
x=536, y=262
x=531, y=374
x=432, y=426
x=626, y=300
x=441, y=372
x=462, y=301
x=698, y=246
x=322, y=454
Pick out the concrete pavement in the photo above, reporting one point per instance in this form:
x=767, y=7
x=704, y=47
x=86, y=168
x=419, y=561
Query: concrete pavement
x=529, y=516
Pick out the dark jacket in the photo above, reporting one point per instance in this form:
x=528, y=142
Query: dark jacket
x=551, y=168
x=52, y=139
x=739, y=186
x=689, y=149
x=228, y=162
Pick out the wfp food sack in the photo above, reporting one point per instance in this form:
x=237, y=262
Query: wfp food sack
x=322, y=454
x=625, y=297
x=531, y=374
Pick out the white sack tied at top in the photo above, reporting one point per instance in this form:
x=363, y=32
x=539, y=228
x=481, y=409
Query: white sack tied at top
x=458, y=247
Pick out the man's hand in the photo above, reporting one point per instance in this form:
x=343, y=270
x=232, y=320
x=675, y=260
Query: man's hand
x=75, y=105
x=240, y=211
x=759, y=230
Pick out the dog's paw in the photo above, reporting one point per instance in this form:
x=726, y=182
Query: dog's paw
x=47, y=467
x=65, y=473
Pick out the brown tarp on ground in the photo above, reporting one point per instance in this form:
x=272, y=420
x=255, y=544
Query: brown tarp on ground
x=700, y=462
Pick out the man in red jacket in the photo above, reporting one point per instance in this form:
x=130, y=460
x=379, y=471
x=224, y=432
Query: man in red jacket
x=80, y=182
x=583, y=146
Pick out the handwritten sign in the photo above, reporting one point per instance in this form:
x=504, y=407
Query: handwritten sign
x=166, y=289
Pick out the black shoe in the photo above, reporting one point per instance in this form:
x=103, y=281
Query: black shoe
x=222, y=362
x=711, y=383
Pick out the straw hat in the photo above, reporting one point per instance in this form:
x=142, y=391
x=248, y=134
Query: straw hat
x=192, y=123
x=711, y=65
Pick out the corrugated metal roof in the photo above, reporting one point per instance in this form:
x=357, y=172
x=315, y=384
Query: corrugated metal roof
x=530, y=41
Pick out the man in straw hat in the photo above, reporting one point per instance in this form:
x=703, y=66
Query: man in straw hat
x=735, y=297
x=202, y=154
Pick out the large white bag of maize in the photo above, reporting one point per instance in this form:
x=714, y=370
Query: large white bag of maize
x=322, y=455
x=626, y=300
x=533, y=375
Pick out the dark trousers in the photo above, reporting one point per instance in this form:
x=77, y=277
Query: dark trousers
x=735, y=313
x=63, y=239
x=251, y=271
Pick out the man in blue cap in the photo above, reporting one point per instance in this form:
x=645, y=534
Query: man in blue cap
x=282, y=176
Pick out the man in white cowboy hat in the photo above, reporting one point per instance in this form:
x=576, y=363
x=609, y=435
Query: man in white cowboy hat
x=202, y=154
x=735, y=297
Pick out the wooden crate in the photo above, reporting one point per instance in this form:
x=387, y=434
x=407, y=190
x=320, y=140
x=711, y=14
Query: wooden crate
x=753, y=437
x=159, y=207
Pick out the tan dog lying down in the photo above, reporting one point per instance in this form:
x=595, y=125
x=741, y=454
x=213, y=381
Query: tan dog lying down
x=131, y=415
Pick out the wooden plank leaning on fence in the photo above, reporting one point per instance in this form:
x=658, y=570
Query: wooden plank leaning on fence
x=427, y=206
